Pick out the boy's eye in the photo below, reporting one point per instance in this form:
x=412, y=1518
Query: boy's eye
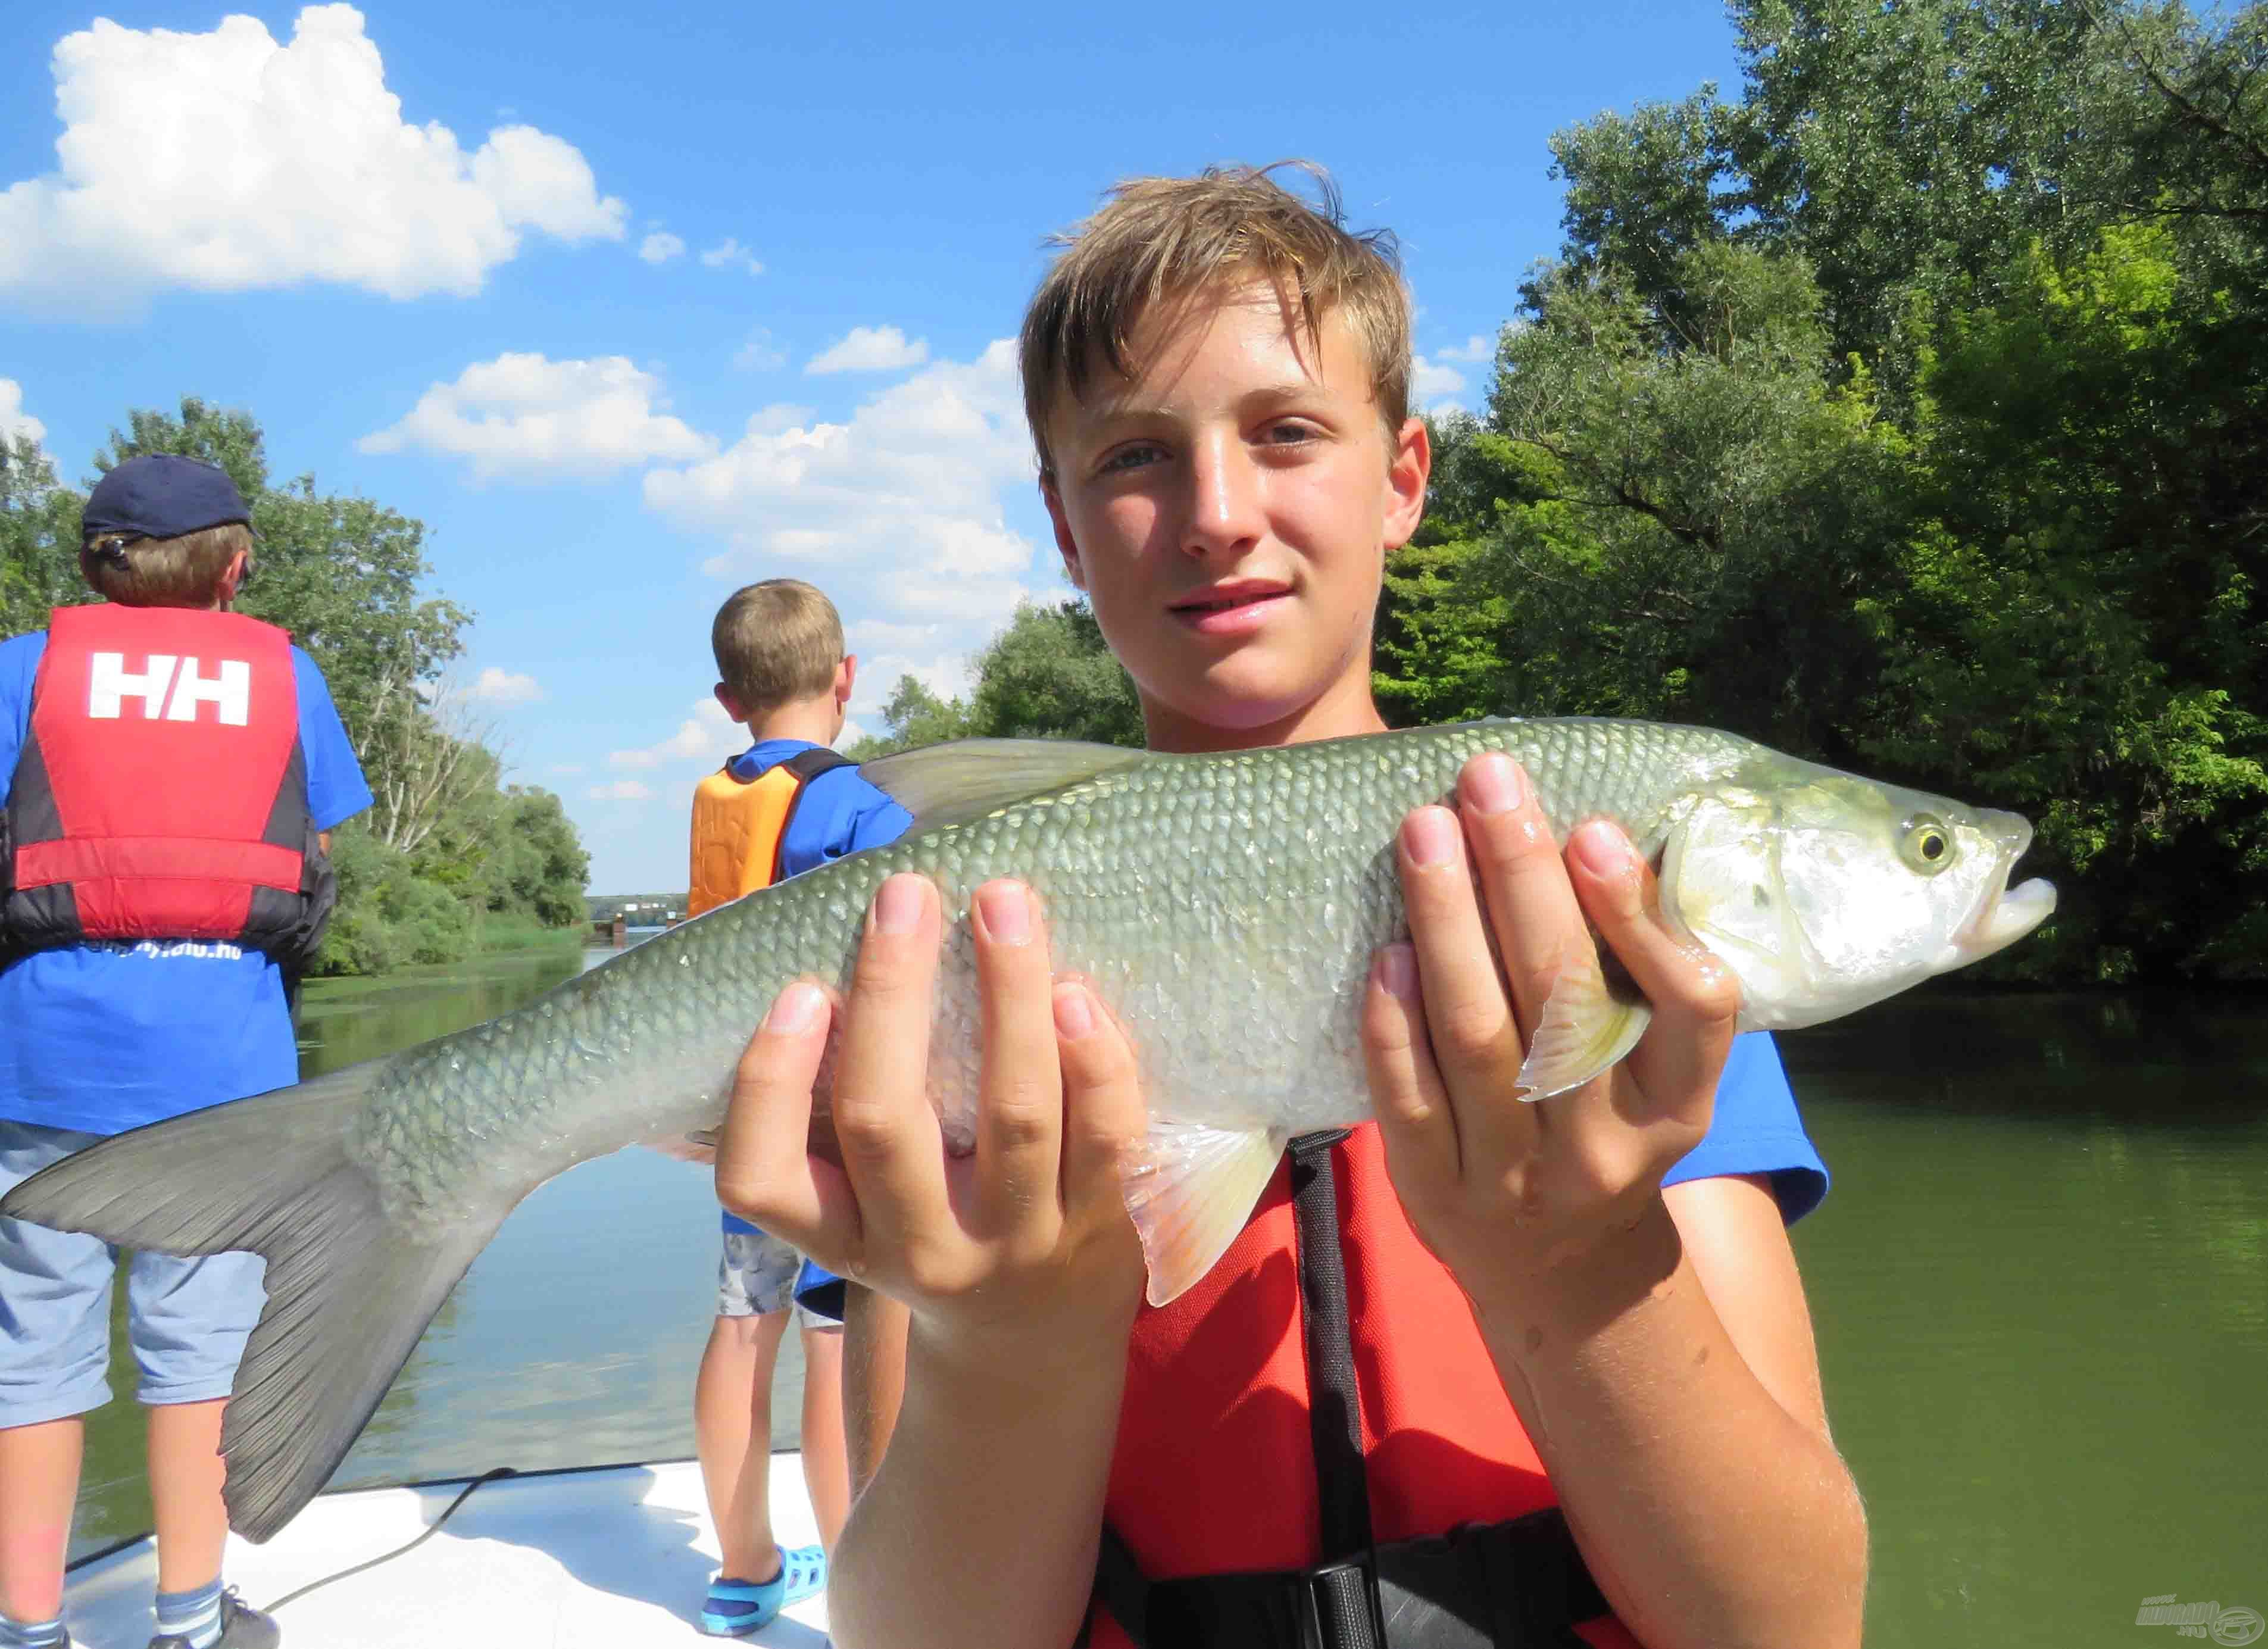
x=1133, y=456
x=1289, y=431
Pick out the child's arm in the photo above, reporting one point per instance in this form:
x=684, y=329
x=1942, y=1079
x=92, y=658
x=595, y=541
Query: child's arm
x=1020, y=1270
x=1687, y=1441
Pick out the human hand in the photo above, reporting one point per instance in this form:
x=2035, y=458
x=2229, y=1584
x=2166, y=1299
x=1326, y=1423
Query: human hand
x=1021, y=1248
x=1509, y=1193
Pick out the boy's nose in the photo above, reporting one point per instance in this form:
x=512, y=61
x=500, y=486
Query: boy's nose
x=1225, y=509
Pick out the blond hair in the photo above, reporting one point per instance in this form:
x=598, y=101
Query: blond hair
x=184, y=571
x=1173, y=238
x=777, y=642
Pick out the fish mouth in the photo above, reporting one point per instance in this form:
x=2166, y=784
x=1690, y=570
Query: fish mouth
x=2004, y=915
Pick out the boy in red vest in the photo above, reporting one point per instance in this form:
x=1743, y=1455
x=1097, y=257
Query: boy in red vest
x=169, y=772
x=784, y=805
x=1478, y=1372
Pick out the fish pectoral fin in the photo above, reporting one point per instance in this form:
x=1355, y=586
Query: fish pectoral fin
x=1189, y=1190
x=951, y=783
x=695, y=1145
x=1588, y=1025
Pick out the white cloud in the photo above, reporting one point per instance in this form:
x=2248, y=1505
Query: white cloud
x=911, y=482
x=874, y=632
x=14, y=420
x=526, y=416
x=1473, y=350
x=730, y=254
x=620, y=790
x=566, y=769
x=759, y=354
x=707, y=735
x=225, y=162
x=496, y=686
x=869, y=349
x=1430, y=382
x=661, y=247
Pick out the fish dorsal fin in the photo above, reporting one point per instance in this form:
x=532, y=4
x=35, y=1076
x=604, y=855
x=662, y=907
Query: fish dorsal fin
x=951, y=783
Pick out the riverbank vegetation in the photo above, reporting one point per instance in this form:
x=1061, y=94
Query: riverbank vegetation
x=1908, y=411
x=450, y=859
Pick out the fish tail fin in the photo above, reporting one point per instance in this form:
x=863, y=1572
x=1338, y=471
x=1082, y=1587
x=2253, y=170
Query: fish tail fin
x=347, y=1296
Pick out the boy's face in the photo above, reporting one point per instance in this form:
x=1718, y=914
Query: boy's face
x=1227, y=513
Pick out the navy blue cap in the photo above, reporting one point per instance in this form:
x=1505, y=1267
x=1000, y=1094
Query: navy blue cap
x=159, y=495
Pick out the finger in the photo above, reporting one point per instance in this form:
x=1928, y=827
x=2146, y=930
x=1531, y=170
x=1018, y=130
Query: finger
x=1415, y=1122
x=764, y=1173
x=1696, y=998
x=1103, y=1114
x=887, y=1131
x=1019, y=1092
x=1533, y=913
x=1475, y=1044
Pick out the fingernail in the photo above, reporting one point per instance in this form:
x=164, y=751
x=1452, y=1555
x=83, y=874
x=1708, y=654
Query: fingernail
x=1007, y=913
x=796, y=1010
x=1603, y=850
x=1431, y=835
x=897, y=908
x=1397, y=972
x=1495, y=783
x=1074, y=1015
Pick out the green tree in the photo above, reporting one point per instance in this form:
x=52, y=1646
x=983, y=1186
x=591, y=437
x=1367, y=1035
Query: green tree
x=39, y=539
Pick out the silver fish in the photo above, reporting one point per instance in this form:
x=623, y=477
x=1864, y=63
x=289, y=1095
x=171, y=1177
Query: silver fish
x=1226, y=907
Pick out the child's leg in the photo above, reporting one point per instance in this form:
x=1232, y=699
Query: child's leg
x=733, y=1435
x=38, y=1484
x=188, y=1320
x=733, y=1399
x=826, y=1463
x=55, y=1345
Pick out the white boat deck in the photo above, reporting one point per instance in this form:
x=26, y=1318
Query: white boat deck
x=616, y=1557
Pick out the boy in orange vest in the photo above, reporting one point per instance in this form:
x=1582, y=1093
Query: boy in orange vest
x=1545, y=1375
x=784, y=805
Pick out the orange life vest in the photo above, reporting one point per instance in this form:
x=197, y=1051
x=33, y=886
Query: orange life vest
x=737, y=825
x=1214, y=1470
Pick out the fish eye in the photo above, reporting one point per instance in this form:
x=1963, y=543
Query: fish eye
x=1927, y=845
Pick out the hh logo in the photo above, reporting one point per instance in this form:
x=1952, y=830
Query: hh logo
x=168, y=692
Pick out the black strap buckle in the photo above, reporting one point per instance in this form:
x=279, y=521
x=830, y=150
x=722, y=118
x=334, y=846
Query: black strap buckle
x=1338, y=1607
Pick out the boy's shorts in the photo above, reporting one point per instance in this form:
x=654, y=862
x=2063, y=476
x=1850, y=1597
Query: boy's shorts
x=758, y=1275
x=186, y=1319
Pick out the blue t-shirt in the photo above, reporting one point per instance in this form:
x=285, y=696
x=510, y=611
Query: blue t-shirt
x=835, y=813
x=105, y=1037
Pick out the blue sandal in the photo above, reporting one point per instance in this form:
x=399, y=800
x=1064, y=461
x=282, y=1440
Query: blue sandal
x=733, y=1608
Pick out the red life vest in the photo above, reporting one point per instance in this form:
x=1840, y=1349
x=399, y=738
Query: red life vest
x=1214, y=1470
x=162, y=792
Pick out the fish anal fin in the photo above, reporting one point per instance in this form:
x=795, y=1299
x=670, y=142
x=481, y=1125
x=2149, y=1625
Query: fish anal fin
x=1189, y=1190
x=951, y=783
x=1588, y=1023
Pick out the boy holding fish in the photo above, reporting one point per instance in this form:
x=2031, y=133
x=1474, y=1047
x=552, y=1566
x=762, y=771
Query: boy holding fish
x=1491, y=1371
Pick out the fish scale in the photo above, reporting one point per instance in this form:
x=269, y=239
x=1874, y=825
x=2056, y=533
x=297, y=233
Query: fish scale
x=1226, y=907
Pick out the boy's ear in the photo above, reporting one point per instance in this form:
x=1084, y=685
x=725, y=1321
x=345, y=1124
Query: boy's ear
x=731, y=704
x=230, y=578
x=846, y=677
x=1406, y=475
x=1065, y=545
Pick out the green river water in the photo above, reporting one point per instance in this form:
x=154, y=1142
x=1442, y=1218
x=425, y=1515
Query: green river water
x=2040, y=1285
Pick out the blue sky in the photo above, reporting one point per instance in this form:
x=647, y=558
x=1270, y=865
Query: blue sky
x=632, y=312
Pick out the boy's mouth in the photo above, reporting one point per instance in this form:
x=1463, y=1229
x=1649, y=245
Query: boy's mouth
x=1232, y=608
